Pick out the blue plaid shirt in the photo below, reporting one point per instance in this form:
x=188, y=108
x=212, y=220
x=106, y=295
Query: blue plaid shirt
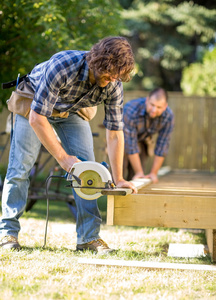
x=136, y=128
x=63, y=83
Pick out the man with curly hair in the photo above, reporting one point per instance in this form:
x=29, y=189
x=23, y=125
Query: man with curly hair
x=68, y=82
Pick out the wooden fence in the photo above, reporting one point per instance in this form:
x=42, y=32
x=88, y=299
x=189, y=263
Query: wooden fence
x=193, y=142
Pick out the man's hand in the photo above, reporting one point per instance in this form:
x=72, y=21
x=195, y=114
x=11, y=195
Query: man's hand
x=153, y=177
x=138, y=175
x=69, y=162
x=127, y=184
x=157, y=164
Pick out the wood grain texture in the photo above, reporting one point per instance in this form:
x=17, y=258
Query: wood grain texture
x=181, y=199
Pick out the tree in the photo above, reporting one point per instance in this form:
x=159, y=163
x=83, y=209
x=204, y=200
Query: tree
x=166, y=36
x=31, y=31
x=200, y=78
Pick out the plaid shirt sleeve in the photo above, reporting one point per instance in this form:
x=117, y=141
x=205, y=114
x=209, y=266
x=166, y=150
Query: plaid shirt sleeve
x=46, y=93
x=114, y=107
x=130, y=128
x=52, y=77
x=164, y=135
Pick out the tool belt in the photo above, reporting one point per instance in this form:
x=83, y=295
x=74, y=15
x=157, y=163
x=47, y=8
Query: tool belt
x=87, y=113
x=150, y=145
x=149, y=141
x=21, y=99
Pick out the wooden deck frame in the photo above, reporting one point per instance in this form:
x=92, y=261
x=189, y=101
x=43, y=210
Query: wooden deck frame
x=179, y=207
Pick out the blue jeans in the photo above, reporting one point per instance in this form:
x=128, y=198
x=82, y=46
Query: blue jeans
x=76, y=138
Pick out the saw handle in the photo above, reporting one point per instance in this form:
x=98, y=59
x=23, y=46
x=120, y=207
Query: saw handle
x=103, y=162
x=81, y=158
x=66, y=175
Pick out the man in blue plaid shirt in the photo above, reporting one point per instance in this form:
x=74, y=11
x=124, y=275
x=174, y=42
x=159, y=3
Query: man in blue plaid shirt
x=65, y=84
x=143, y=118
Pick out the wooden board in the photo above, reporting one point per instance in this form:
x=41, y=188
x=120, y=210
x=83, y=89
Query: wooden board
x=186, y=250
x=157, y=210
x=181, y=199
x=146, y=265
x=138, y=183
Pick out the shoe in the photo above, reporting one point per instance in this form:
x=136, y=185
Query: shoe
x=9, y=242
x=97, y=245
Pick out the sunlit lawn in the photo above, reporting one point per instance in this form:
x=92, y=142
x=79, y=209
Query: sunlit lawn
x=54, y=272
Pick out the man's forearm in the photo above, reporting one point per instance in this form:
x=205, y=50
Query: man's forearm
x=157, y=163
x=47, y=136
x=136, y=164
x=115, y=148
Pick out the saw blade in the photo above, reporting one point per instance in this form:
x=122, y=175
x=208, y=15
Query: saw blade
x=90, y=179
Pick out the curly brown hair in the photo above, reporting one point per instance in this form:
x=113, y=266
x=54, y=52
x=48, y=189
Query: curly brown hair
x=112, y=55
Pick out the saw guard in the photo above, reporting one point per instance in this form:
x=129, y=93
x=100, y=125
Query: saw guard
x=81, y=167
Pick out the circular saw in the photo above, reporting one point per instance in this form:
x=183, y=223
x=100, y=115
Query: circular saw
x=89, y=178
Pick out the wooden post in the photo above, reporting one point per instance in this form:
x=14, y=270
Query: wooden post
x=211, y=242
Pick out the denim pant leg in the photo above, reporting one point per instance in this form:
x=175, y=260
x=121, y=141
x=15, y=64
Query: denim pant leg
x=76, y=137
x=24, y=150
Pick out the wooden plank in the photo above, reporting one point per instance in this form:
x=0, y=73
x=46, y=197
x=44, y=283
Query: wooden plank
x=209, y=239
x=110, y=208
x=211, y=242
x=182, y=182
x=186, y=250
x=138, y=183
x=157, y=210
x=214, y=245
x=181, y=199
x=145, y=264
x=141, y=182
x=180, y=191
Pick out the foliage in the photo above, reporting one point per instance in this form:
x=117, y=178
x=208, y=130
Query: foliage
x=166, y=36
x=200, y=78
x=31, y=31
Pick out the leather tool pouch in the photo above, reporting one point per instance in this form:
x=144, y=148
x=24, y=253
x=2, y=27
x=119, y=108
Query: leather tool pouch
x=149, y=142
x=150, y=145
x=87, y=113
x=21, y=99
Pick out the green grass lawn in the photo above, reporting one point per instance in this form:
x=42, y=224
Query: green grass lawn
x=54, y=272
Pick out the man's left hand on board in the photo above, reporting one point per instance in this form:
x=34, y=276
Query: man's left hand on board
x=153, y=177
x=138, y=175
x=127, y=184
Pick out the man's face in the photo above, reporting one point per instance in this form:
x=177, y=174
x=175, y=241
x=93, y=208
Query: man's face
x=103, y=79
x=155, y=107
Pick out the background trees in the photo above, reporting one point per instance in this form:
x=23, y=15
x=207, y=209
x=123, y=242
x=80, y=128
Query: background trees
x=167, y=36
x=31, y=31
x=200, y=78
